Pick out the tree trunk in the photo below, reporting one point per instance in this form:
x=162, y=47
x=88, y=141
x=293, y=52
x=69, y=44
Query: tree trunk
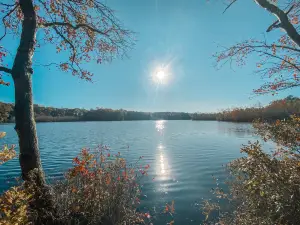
x=24, y=115
x=283, y=19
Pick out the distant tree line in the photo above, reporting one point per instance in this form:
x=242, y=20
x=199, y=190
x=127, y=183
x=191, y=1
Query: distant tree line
x=279, y=109
x=51, y=114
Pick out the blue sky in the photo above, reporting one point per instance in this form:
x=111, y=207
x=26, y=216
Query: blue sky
x=183, y=34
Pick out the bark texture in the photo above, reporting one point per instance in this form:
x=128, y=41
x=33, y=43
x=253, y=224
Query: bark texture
x=24, y=114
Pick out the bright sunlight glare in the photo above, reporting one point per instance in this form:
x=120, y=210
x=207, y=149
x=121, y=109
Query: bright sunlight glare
x=160, y=75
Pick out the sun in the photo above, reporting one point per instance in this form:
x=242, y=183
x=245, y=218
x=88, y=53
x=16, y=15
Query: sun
x=160, y=75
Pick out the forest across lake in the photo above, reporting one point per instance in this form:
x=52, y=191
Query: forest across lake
x=278, y=109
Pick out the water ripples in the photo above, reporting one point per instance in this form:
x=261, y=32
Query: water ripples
x=183, y=155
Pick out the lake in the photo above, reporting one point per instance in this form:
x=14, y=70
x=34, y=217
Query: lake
x=182, y=154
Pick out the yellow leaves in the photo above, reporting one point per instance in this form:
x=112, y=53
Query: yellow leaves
x=14, y=206
x=295, y=118
x=277, y=122
x=2, y=134
x=7, y=154
x=74, y=190
x=90, y=3
x=122, y=162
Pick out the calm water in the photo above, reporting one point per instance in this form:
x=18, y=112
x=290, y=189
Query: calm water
x=182, y=154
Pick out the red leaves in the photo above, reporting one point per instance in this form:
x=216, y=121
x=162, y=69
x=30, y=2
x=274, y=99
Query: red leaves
x=107, y=179
x=273, y=87
x=147, y=215
x=82, y=164
x=76, y=160
x=64, y=66
x=170, y=208
x=296, y=78
x=125, y=175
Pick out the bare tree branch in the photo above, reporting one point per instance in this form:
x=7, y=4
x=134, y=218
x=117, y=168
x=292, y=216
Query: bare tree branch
x=81, y=25
x=7, y=5
x=276, y=24
x=280, y=58
x=3, y=20
x=283, y=18
x=5, y=69
x=233, y=1
x=68, y=42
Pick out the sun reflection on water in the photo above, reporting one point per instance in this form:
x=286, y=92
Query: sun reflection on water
x=162, y=164
x=160, y=125
x=162, y=169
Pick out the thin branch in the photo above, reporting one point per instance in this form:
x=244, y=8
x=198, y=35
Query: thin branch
x=274, y=25
x=5, y=69
x=229, y=5
x=290, y=9
x=68, y=42
x=3, y=20
x=7, y=5
x=270, y=46
x=62, y=36
x=277, y=57
x=81, y=25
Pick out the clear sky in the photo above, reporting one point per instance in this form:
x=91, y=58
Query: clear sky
x=181, y=33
